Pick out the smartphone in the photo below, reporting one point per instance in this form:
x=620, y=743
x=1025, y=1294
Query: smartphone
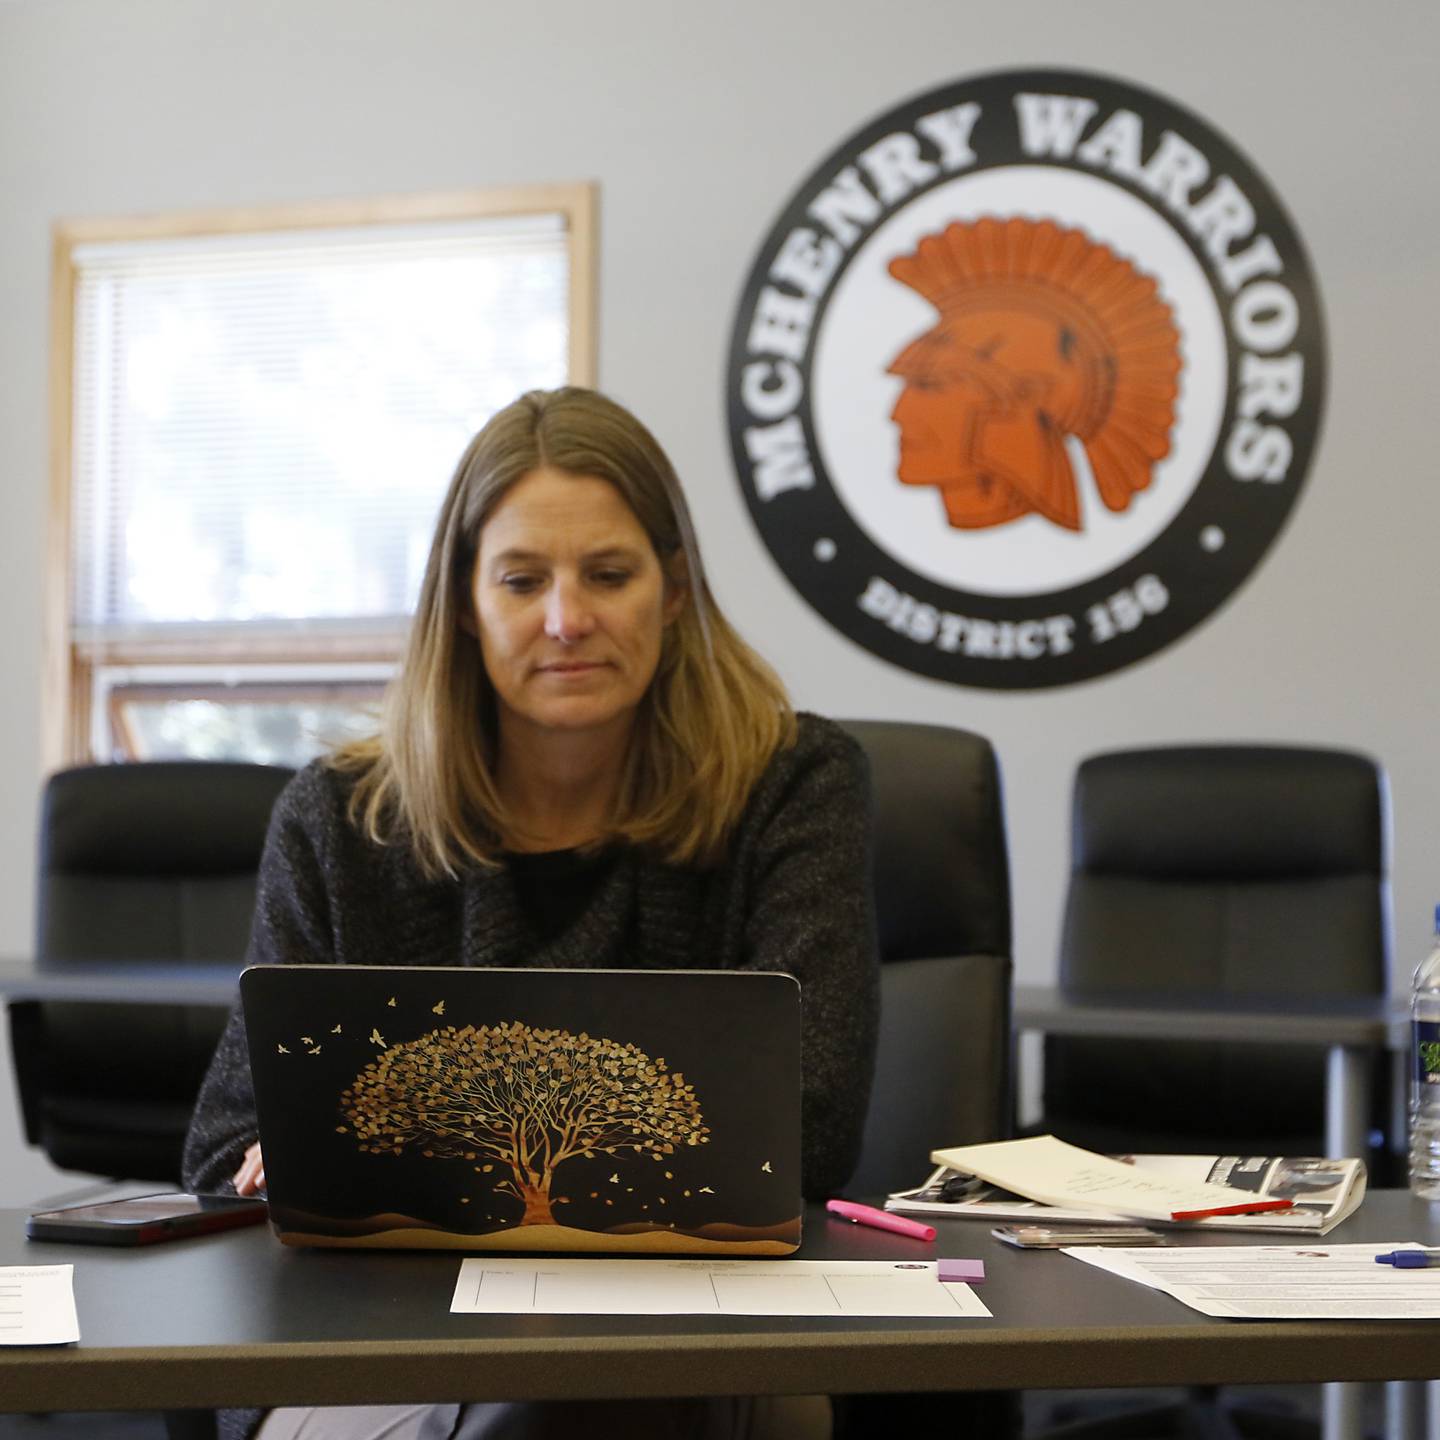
x=144, y=1219
x=1052, y=1237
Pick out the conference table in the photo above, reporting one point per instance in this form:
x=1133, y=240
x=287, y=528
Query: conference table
x=1352, y=1030
x=236, y=1319
x=153, y=982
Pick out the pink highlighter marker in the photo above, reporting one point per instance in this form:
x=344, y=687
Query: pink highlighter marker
x=879, y=1219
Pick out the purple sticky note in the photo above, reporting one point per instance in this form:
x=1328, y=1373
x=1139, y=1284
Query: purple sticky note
x=971, y=1272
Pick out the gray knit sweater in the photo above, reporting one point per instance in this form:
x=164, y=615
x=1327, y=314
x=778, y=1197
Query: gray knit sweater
x=793, y=894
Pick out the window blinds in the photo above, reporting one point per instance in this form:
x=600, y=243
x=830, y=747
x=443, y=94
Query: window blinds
x=264, y=424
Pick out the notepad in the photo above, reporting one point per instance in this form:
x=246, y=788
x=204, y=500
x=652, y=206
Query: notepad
x=1055, y=1173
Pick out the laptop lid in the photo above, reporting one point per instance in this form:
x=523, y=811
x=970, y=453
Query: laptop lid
x=539, y=1110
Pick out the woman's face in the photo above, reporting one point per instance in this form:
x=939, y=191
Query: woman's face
x=570, y=603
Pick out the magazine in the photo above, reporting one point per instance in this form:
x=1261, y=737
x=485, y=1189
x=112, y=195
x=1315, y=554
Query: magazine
x=1323, y=1193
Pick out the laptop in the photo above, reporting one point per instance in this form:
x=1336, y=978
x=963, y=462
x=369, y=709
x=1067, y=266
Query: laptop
x=550, y=1111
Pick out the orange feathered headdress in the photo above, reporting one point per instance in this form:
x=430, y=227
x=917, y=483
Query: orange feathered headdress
x=1112, y=326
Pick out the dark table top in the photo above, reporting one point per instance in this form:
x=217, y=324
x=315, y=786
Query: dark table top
x=1368, y=1021
x=237, y=1319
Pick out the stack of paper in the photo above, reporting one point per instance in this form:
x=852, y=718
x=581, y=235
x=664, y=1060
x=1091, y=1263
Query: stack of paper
x=1324, y=1192
x=1168, y=1189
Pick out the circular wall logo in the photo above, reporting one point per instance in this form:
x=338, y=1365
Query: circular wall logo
x=1026, y=378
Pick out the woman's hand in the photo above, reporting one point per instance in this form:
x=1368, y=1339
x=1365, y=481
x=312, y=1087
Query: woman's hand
x=250, y=1177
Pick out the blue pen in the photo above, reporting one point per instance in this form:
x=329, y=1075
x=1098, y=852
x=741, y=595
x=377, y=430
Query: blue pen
x=1409, y=1259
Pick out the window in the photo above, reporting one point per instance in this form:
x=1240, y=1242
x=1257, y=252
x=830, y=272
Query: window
x=256, y=416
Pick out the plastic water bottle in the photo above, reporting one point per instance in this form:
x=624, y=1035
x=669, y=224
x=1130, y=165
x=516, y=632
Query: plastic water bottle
x=1425, y=1079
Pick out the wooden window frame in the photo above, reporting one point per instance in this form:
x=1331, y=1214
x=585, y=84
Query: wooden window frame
x=120, y=697
x=68, y=666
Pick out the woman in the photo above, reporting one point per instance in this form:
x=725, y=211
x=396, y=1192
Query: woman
x=581, y=764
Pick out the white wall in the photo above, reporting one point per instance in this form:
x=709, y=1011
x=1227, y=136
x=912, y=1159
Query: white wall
x=697, y=127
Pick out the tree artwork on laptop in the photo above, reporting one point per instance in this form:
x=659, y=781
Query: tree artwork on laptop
x=525, y=1100
x=564, y=1111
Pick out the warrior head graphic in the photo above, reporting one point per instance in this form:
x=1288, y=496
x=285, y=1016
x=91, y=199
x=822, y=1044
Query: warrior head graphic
x=1043, y=333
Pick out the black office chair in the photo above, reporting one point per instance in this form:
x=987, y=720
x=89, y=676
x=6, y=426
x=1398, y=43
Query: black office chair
x=942, y=901
x=942, y=1074
x=1216, y=870
x=1212, y=870
x=152, y=861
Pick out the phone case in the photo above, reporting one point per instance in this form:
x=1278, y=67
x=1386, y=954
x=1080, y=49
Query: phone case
x=217, y=1213
x=1051, y=1237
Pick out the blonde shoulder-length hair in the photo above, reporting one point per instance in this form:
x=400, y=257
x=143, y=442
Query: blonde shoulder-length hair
x=713, y=717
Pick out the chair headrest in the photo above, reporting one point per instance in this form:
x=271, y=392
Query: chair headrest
x=942, y=875
x=1229, y=811
x=158, y=818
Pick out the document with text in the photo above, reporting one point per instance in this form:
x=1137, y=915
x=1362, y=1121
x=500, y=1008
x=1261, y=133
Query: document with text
x=37, y=1305
x=1049, y=1170
x=1278, y=1282
x=1323, y=1192
x=907, y=1289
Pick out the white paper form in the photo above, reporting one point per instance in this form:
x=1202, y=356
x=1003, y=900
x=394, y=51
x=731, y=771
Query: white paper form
x=37, y=1305
x=1278, y=1282
x=907, y=1289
